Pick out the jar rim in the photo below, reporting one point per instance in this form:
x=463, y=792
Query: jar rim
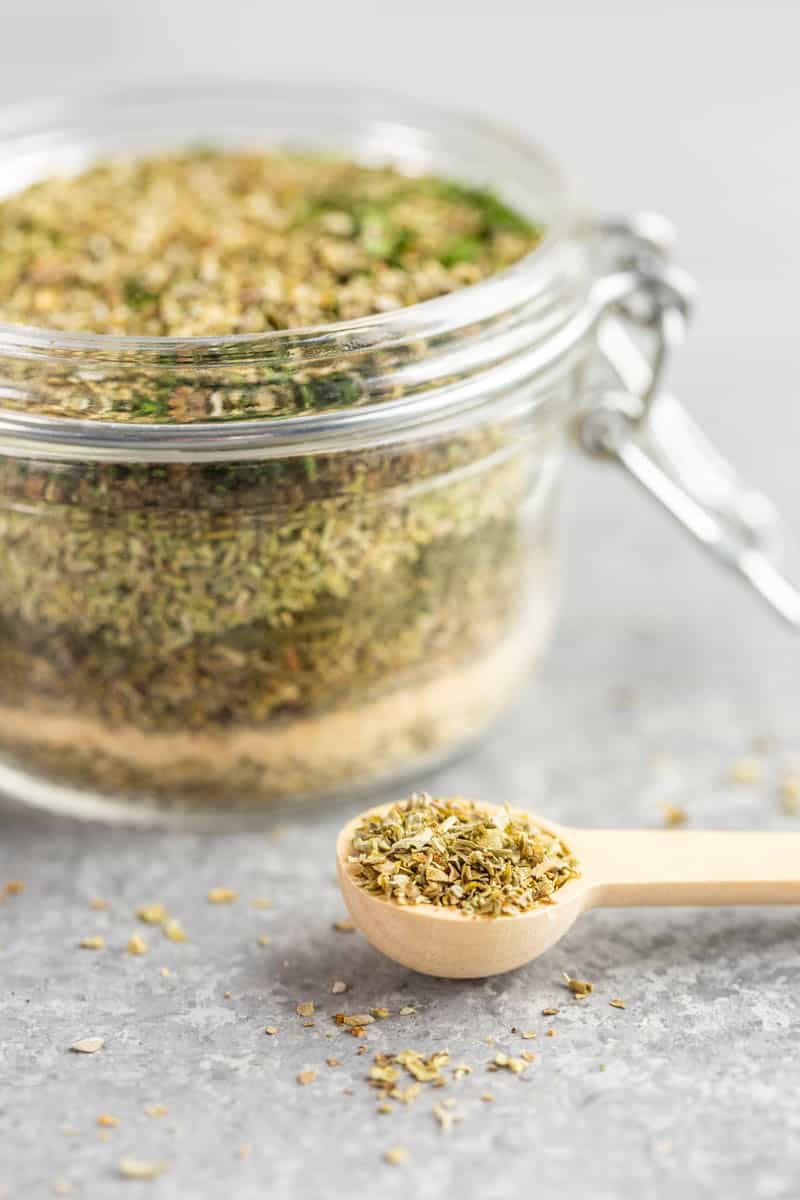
x=89, y=117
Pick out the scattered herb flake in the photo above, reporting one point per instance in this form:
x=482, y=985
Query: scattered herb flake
x=88, y=1045
x=674, y=816
x=396, y=1156
x=353, y=1019
x=506, y=1062
x=446, y=1117
x=175, y=931
x=152, y=914
x=578, y=987
x=137, y=1168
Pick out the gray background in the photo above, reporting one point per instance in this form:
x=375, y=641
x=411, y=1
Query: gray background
x=691, y=108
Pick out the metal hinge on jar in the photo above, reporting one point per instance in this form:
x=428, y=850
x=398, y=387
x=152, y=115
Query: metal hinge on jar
x=644, y=304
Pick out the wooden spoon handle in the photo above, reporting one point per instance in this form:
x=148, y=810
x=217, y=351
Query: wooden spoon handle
x=655, y=867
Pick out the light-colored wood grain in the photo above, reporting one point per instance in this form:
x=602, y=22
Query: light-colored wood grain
x=618, y=868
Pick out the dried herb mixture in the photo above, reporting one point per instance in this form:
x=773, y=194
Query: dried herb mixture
x=450, y=852
x=203, y=243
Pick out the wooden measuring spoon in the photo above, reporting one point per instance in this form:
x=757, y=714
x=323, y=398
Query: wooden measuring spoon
x=619, y=868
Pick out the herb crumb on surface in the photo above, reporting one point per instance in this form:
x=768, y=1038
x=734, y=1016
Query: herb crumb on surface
x=396, y=1156
x=152, y=914
x=174, y=931
x=88, y=1045
x=93, y=942
x=580, y=988
x=674, y=816
x=138, y=1168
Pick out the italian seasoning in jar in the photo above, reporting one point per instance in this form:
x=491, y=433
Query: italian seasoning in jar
x=282, y=425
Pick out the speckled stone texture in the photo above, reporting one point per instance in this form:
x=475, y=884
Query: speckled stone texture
x=692, y=1090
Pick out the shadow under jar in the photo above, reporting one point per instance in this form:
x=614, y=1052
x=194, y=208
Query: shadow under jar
x=240, y=571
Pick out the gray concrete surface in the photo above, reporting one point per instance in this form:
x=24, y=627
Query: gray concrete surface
x=692, y=1090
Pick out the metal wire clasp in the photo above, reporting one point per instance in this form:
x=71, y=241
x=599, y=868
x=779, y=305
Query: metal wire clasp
x=644, y=306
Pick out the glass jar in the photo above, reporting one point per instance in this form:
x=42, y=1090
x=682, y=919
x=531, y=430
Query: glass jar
x=247, y=570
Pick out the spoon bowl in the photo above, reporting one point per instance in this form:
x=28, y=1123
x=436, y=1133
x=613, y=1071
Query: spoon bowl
x=617, y=868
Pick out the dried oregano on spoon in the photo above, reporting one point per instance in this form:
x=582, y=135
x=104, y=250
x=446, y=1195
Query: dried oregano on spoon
x=451, y=852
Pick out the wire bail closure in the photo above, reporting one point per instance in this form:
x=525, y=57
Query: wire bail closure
x=633, y=420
